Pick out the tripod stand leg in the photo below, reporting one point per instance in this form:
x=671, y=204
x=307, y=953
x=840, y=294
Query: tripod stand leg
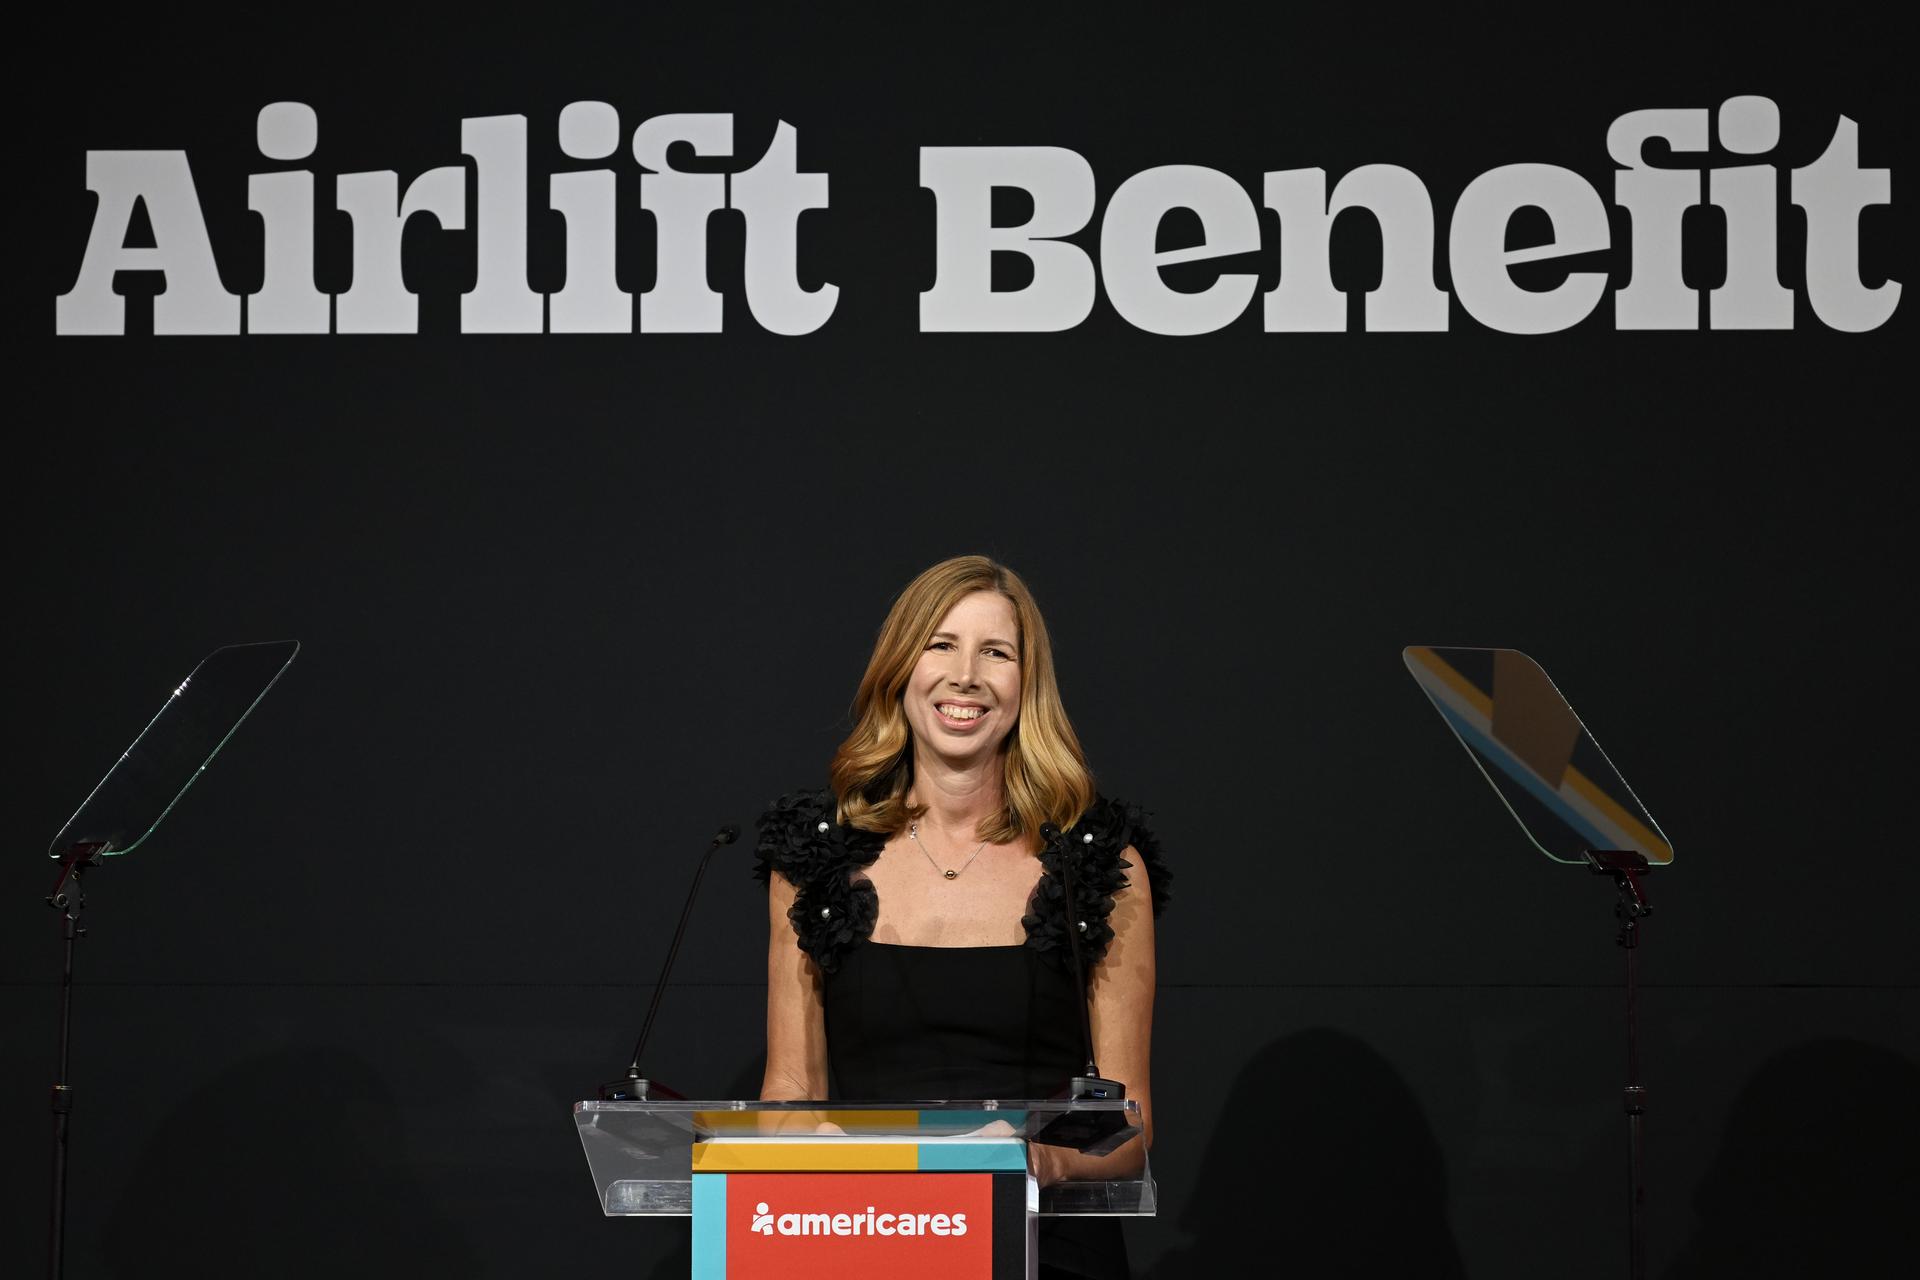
x=1634, y=1098
x=56, y=1217
x=62, y=1108
x=69, y=903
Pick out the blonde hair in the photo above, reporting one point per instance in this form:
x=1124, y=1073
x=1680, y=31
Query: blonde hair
x=1044, y=772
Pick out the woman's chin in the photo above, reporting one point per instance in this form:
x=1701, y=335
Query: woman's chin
x=965, y=753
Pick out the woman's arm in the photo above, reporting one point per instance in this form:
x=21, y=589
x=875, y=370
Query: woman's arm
x=1120, y=994
x=796, y=1019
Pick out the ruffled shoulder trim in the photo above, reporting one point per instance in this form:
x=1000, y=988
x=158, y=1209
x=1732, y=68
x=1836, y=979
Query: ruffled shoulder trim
x=833, y=909
x=800, y=839
x=792, y=835
x=1097, y=844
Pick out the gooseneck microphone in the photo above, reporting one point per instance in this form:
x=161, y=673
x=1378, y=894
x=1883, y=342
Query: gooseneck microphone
x=634, y=1086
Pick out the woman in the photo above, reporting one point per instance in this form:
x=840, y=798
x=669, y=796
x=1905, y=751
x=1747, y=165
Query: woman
x=932, y=958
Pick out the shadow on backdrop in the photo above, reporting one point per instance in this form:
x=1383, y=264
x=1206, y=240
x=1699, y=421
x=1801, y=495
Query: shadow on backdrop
x=1818, y=1171
x=1324, y=1165
x=283, y=1165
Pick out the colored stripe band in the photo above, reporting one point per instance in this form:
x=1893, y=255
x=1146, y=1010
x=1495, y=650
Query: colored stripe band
x=710, y=1228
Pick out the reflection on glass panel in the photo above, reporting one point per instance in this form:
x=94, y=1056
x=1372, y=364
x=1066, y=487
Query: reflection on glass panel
x=1546, y=767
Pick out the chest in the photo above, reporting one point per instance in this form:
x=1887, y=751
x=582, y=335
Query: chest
x=981, y=906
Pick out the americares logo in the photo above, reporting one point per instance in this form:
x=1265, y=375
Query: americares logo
x=870, y=1223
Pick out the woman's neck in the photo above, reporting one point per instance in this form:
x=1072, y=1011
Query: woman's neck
x=957, y=800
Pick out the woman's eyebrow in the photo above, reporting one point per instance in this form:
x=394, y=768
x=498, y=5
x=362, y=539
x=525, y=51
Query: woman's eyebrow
x=1003, y=644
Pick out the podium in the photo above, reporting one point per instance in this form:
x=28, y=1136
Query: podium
x=936, y=1190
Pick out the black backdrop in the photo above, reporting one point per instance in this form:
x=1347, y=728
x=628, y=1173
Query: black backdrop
x=566, y=602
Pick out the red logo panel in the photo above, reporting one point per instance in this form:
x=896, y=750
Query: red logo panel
x=859, y=1226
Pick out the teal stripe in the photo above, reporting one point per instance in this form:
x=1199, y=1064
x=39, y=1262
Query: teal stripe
x=1491, y=749
x=999, y=1155
x=962, y=1121
x=709, y=1226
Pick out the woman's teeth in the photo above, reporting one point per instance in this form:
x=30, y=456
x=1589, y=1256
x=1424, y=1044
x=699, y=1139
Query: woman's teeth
x=961, y=713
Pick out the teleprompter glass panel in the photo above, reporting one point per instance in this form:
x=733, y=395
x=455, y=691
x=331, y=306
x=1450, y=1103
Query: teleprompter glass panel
x=175, y=748
x=1545, y=766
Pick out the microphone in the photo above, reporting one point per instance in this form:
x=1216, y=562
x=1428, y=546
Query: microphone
x=1093, y=1132
x=634, y=1086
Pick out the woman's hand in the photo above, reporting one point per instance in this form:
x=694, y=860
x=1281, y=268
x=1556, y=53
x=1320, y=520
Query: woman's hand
x=1046, y=1164
x=991, y=1129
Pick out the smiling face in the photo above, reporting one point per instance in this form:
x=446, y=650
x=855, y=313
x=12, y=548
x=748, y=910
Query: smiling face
x=963, y=697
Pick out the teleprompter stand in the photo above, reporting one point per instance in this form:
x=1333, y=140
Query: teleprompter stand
x=1629, y=869
x=1574, y=807
x=69, y=899
x=119, y=814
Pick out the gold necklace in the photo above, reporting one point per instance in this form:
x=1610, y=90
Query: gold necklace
x=913, y=834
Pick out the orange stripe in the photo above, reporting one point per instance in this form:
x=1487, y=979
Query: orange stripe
x=1437, y=665
x=791, y=1156
x=805, y=1122
x=1649, y=841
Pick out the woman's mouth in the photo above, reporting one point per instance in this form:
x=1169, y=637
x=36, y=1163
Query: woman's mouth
x=961, y=715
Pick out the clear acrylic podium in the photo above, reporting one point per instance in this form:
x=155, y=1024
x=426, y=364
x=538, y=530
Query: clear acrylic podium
x=809, y=1189
x=641, y=1153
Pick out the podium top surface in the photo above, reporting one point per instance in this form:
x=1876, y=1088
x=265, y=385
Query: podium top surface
x=640, y=1153
x=931, y=1118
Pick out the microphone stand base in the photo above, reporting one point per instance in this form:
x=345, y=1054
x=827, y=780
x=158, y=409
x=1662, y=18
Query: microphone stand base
x=1093, y=1087
x=1094, y=1133
x=637, y=1088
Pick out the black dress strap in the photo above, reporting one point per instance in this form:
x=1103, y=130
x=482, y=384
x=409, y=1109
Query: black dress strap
x=1097, y=843
x=835, y=909
x=800, y=839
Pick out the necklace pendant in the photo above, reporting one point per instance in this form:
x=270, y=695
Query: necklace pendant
x=952, y=874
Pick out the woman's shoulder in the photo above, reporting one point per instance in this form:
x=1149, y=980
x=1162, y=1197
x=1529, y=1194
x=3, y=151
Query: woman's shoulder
x=1107, y=830
x=797, y=807
x=1109, y=843
x=800, y=837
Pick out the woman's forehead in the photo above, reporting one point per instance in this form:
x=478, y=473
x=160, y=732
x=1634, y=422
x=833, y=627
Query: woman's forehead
x=982, y=610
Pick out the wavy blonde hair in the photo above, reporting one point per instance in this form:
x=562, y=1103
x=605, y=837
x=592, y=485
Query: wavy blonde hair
x=1044, y=772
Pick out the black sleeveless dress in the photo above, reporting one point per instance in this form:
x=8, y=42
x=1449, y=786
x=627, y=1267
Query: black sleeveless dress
x=911, y=1023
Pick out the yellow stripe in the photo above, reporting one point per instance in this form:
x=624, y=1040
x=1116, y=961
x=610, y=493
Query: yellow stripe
x=1452, y=679
x=804, y=1122
x=1649, y=843
x=795, y=1157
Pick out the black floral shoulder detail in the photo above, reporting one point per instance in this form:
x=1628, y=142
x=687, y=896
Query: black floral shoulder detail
x=834, y=910
x=1096, y=844
x=800, y=839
